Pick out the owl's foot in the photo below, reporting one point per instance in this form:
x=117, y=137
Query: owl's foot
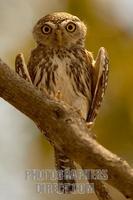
x=58, y=95
x=89, y=125
x=79, y=112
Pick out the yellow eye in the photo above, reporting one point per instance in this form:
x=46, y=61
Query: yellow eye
x=46, y=29
x=71, y=27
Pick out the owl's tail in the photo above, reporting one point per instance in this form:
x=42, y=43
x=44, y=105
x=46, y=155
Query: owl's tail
x=65, y=169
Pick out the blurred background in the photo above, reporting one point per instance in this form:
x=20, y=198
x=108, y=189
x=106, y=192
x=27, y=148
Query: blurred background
x=21, y=144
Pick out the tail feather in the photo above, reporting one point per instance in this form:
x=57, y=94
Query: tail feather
x=64, y=166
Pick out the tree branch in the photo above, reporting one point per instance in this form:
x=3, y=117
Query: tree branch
x=65, y=128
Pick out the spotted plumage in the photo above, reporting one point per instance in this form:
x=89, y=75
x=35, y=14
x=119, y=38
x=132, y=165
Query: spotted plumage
x=66, y=71
x=60, y=63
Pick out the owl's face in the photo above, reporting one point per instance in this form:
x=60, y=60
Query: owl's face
x=60, y=30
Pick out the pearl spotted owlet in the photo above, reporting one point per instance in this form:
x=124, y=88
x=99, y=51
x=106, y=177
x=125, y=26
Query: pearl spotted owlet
x=61, y=64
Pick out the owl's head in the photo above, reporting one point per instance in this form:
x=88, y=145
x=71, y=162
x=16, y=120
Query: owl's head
x=60, y=30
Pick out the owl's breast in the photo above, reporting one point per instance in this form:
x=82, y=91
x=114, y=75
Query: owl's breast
x=67, y=75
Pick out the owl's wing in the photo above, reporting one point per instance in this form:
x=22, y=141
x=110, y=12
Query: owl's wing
x=21, y=68
x=99, y=74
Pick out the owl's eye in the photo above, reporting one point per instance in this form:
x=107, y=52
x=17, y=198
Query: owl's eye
x=71, y=27
x=46, y=29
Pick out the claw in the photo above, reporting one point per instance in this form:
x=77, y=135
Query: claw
x=58, y=95
x=90, y=125
x=79, y=112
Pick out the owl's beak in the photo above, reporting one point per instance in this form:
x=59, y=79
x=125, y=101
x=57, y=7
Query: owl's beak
x=59, y=37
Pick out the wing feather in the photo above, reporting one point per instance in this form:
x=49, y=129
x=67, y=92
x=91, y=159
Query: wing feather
x=21, y=68
x=100, y=71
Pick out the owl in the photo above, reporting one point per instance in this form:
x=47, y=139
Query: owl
x=60, y=64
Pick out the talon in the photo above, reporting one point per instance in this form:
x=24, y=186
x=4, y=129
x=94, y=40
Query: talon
x=89, y=125
x=58, y=95
x=79, y=112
